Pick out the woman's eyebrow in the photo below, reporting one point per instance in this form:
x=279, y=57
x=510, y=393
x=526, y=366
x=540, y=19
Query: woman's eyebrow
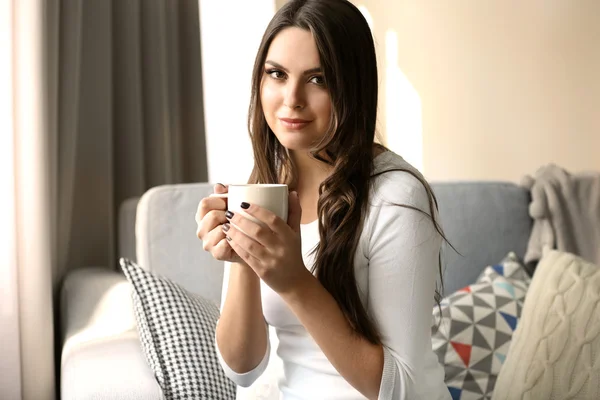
x=281, y=67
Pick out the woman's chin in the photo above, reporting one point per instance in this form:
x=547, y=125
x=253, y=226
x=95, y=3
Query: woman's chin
x=298, y=143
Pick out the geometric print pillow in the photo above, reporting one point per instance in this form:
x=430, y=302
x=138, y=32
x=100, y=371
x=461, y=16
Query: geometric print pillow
x=176, y=330
x=476, y=325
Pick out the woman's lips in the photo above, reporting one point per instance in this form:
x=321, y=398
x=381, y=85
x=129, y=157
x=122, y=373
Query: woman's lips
x=294, y=123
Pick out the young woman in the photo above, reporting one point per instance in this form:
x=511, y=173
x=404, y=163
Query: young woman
x=349, y=282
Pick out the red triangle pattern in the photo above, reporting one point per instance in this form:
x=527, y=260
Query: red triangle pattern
x=466, y=289
x=463, y=351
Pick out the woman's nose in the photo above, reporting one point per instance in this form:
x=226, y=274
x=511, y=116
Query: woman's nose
x=294, y=98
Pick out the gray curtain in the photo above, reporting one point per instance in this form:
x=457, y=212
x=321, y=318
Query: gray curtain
x=128, y=117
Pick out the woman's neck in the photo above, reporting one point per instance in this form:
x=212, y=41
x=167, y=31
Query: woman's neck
x=309, y=172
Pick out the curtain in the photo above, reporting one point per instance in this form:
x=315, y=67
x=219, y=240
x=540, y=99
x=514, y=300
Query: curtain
x=26, y=313
x=100, y=101
x=130, y=115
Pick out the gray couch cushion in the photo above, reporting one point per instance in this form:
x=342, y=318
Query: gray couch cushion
x=483, y=221
x=166, y=241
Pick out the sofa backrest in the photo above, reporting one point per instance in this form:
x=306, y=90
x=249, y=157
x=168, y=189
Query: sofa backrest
x=166, y=241
x=483, y=221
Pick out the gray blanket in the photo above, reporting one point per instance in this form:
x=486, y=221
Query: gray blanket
x=566, y=213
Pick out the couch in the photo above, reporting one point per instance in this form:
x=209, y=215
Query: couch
x=101, y=354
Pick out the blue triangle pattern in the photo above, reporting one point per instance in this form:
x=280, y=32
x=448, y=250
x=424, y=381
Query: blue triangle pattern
x=510, y=319
x=455, y=392
x=501, y=357
x=506, y=286
x=499, y=268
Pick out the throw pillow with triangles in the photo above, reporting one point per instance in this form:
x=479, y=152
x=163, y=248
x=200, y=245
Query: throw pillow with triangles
x=476, y=325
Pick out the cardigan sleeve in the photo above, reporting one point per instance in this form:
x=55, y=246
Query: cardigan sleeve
x=403, y=253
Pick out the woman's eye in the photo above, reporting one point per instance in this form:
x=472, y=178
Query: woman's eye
x=275, y=74
x=318, y=80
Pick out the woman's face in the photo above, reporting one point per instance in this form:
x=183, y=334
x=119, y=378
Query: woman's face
x=293, y=94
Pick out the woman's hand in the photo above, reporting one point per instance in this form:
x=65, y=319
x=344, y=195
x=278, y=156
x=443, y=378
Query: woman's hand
x=271, y=248
x=210, y=217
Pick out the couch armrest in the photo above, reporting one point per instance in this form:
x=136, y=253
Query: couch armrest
x=101, y=354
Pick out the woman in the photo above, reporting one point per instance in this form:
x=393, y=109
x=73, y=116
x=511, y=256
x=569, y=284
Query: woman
x=352, y=301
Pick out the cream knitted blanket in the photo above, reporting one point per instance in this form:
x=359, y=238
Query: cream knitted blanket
x=555, y=351
x=566, y=213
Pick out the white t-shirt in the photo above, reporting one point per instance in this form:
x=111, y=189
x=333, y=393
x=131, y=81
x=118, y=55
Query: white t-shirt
x=396, y=267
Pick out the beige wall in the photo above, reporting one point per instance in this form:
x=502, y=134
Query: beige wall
x=504, y=86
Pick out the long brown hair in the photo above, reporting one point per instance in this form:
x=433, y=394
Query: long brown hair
x=348, y=62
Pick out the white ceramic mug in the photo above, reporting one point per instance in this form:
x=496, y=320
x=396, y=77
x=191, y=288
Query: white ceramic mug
x=273, y=197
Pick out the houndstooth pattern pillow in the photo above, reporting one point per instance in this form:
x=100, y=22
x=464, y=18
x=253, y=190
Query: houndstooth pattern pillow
x=176, y=331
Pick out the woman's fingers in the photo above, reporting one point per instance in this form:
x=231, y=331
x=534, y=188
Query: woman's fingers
x=210, y=221
x=267, y=217
x=241, y=254
x=219, y=188
x=218, y=246
x=210, y=217
x=212, y=238
x=209, y=204
x=242, y=244
x=259, y=232
x=223, y=251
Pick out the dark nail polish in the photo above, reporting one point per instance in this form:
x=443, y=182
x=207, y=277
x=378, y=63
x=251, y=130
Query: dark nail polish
x=228, y=215
x=226, y=227
x=245, y=205
x=228, y=238
x=221, y=184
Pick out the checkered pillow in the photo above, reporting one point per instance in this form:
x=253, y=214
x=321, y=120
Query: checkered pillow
x=477, y=324
x=177, y=334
